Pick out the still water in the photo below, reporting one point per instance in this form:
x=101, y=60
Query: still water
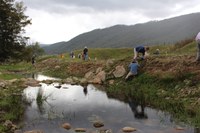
x=81, y=106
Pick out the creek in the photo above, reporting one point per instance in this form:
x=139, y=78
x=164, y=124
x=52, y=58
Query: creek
x=81, y=106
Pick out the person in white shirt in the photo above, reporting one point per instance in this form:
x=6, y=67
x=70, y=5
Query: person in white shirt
x=198, y=47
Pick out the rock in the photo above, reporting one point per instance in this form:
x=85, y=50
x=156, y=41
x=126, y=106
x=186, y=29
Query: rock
x=119, y=71
x=83, y=81
x=2, y=84
x=99, y=70
x=75, y=79
x=13, y=81
x=18, y=131
x=111, y=82
x=105, y=131
x=34, y=131
x=179, y=128
x=109, y=62
x=101, y=75
x=99, y=78
x=98, y=124
x=32, y=82
x=47, y=81
x=95, y=81
x=68, y=80
x=66, y=126
x=80, y=130
x=128, y=129
x=14, y=127
x=8, y=124
x=89, y=75
x=57, y=67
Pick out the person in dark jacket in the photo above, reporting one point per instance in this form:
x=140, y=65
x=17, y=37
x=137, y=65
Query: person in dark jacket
x=33, y=60
x=85, y=53
x=142, y=50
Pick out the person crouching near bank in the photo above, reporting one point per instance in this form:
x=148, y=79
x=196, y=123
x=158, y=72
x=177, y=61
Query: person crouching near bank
x=133, y=69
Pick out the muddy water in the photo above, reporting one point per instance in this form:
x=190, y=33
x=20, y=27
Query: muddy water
x=81, y=106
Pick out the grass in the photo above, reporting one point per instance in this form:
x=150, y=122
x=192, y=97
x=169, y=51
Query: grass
x=11, y=105
x=14, y=71
x=10, y=76
x=160, y=91
x=108, y=53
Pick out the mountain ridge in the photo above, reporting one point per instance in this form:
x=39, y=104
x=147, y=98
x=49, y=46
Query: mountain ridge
x=165, y=31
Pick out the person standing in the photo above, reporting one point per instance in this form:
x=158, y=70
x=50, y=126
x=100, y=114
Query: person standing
x=33, y=60
x=85, y=53
x=198, y=46
x=142, y=50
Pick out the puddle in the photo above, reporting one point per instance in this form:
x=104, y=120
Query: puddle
x=81, y=106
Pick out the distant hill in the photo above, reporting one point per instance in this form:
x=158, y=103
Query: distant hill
x=166, y=31
x=43, y=45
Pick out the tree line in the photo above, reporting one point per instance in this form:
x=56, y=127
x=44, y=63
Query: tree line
x=13, y=43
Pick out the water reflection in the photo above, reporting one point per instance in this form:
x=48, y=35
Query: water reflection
x=197, y=130
x=137, y=109
x=40, y=77
x=82, y=105
x=85, y=91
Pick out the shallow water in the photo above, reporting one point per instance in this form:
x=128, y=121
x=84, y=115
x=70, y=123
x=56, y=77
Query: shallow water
x=81, y=106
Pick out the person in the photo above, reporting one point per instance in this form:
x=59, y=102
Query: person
x=133, y=66
x=72, y=54
x=157, y=52
x=85, y=53
x=79, y=55
x=140, y=49
x=33, y=60
x=61, y=56
x=198, y=46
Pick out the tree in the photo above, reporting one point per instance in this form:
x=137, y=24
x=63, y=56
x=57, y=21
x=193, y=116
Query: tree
x=30, y=50
x=12, y=24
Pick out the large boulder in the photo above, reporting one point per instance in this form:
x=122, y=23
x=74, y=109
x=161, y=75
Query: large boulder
x=119, y=71
x=99, y=69
x=101, y=75
x=99, y=78
x=89, y=75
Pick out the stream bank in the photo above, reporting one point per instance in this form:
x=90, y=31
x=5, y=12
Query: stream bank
x=166, y=83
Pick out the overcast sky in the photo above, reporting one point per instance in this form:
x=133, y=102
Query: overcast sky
x=61, y=20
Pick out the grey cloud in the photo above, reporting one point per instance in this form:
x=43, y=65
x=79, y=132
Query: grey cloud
x=159, y=8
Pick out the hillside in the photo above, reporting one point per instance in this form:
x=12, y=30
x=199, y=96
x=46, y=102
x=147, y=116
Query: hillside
x=166, y=31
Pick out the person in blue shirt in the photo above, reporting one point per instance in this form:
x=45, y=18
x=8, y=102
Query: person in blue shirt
x=142, y=50
x=133, y=66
